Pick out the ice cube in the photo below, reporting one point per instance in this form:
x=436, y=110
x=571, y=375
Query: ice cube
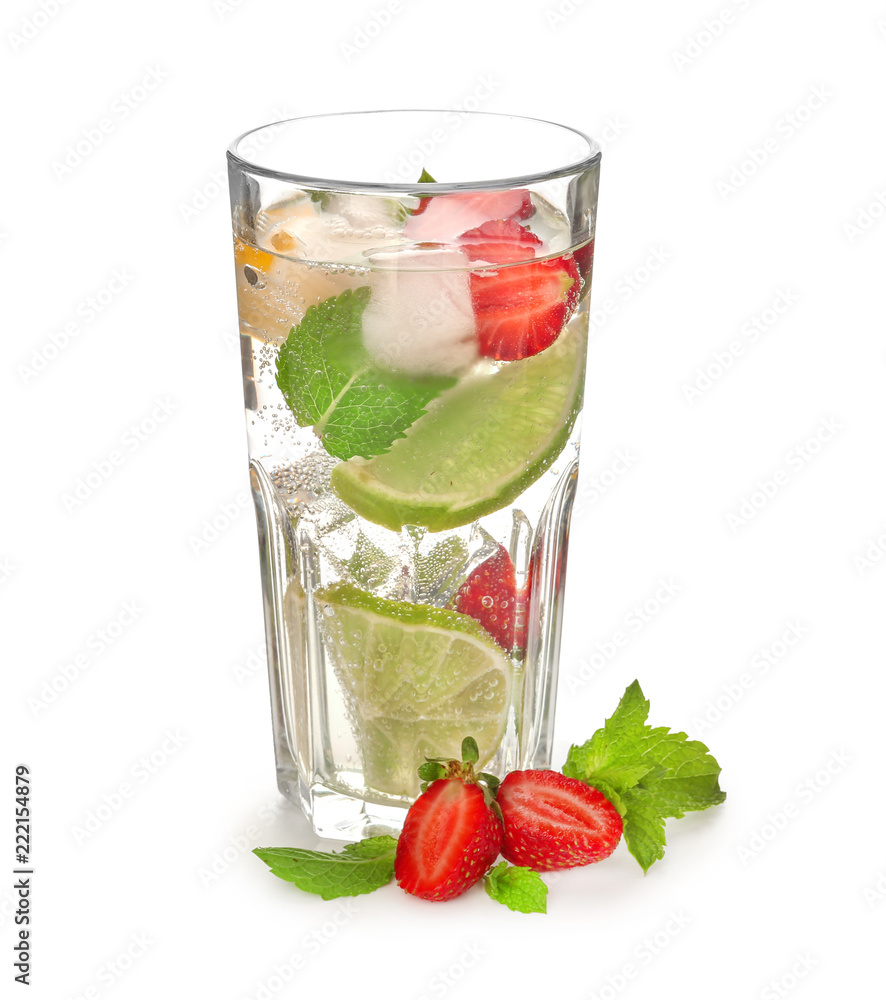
x=550, y=224
x=332, y=237
x=436, y=566
x=368, y=215
x=420, y=320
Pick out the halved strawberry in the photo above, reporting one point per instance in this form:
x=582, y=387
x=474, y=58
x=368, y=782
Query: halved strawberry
x=451, y=834
x=490, y=596
x=551, y=821
x=499, y=241
x=447, y=215
x=584, y=257
x=521, y=310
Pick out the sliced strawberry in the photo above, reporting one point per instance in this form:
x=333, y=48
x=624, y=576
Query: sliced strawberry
x=521, y=310
x=447, y=215
x=490, y=596
x=451, y=834
x=551, y=821
x=584, y=257
x=500, y=241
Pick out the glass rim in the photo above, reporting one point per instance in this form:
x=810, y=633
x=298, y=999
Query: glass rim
x=423, y=189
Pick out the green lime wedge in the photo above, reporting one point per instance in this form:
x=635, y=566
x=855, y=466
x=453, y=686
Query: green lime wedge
x=480, y=444
x=417, y=680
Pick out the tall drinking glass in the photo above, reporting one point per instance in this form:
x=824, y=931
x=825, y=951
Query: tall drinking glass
x=413, y=296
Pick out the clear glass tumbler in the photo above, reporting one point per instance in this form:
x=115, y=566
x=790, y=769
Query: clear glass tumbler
x=413, y=297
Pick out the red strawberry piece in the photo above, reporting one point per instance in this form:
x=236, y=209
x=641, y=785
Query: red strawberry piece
x=499, y=241
x=425, y=178
x=447, y=215
x=490, y=596
x=422, y=206
x=521, y=310
x=552, y=821
x=584, y=257
x=449, y=840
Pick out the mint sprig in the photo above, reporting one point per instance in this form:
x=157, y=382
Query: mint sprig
x=649, y=774
x=331, y=384
x=518, y=888
x=359, y=868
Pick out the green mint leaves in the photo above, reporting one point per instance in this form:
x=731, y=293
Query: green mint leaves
x=425, y=177
x=517, y=888
x=649, y=774
x=359, y=868
x=331, y=384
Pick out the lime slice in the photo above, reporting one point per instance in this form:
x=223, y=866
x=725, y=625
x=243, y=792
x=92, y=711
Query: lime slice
x=477, y=448
x=417, y=680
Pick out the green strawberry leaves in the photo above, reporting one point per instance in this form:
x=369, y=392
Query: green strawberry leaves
x=470, y=752
x=355, y=407
x=431, y=770
x=359, y=868
x=517, y=888
x=435, y=768
x=649, y=774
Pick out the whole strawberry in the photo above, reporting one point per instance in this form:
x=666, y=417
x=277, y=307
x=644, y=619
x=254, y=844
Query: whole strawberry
x=551, y=821
x=451, y=834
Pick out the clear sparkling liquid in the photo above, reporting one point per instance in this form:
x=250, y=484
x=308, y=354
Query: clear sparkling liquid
x=311, y=540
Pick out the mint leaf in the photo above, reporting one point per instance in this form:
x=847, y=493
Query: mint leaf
x=615, y=753
x=361, y=867
x=649, y=774
x=331, y=384
x=643, y=828
x=426, y=177
x=518, y=888
x=686, y=777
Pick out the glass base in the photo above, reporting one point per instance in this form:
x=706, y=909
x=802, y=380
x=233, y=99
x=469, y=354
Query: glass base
x=311, y=766
x=336, y=816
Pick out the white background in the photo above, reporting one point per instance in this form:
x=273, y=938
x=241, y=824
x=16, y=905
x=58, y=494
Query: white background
x=743, y=160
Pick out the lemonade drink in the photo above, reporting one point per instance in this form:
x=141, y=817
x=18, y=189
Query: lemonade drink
x=413, y=372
